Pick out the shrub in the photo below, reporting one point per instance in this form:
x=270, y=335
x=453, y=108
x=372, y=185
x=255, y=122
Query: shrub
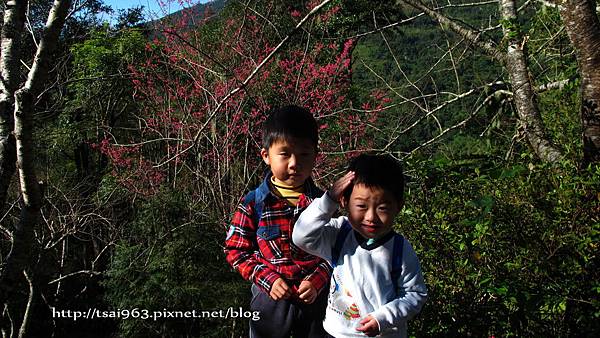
x=506, y=250
x=172, y=260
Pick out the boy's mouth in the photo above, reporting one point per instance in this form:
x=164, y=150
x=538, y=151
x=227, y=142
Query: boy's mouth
x=370, y=227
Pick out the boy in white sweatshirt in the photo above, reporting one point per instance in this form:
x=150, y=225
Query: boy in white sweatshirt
x=376, y=285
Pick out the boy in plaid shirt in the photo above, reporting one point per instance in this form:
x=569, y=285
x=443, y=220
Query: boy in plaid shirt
x=287, y=283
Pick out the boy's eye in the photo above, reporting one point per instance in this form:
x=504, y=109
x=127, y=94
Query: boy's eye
x=383, y=209
x=361, y=206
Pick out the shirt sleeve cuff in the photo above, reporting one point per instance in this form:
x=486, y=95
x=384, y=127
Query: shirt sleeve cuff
x=380, y=318
x=328, y=204
x=265, y=280
x=318, y=281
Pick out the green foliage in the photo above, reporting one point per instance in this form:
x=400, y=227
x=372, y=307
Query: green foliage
x=98, y=100
x=102, y=60
x=508, y=250
x=171, y=259
x=512, y=28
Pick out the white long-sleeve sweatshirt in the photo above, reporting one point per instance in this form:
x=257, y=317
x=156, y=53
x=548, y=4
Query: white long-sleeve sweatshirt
x=361, y=283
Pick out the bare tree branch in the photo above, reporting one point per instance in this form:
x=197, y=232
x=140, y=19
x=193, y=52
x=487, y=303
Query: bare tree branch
x=76, y=273
x=460, y=124
x=25, y=321
x=553, y=85
x=468, y=34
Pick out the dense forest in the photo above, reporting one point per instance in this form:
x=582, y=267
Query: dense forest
x=125, y=146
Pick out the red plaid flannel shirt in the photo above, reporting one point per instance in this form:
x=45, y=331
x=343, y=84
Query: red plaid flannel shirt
x=263, y=253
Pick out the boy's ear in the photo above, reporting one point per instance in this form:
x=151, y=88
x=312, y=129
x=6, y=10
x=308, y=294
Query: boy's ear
x=264, y=153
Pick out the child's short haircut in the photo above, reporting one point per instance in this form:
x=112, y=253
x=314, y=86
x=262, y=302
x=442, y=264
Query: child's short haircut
x=379, y=171
x=289, y=122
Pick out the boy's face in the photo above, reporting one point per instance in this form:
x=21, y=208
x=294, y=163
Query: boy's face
x=371, y=210
x=291, y=160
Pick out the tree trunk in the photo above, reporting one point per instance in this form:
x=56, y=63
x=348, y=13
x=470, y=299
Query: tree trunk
x=8, y=152
x=23, y=236
x=583, y=28
x=14, y=18
x=524, y=96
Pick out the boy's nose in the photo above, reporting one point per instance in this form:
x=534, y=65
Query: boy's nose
x=293, y=162
x=370, y=215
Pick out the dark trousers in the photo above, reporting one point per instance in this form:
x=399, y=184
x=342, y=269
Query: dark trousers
x=286, y=317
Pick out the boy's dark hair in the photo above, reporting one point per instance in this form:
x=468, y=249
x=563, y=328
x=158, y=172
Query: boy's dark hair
x=381, y=171
x=287, y=122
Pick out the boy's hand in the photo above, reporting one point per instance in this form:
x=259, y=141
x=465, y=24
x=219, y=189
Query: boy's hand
x=337, y=189
x=307, y=292
x=280, y=290
x=369, y=326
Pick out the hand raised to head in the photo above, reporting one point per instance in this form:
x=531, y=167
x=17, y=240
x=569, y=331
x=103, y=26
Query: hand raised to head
x=337, y=188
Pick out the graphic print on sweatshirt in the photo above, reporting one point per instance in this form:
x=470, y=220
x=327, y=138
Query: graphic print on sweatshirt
x=340, y=300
